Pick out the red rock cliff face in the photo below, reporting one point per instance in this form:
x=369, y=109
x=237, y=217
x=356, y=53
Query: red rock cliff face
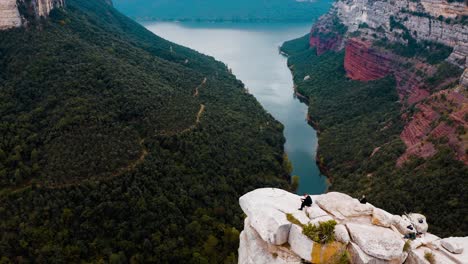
x=325, y=42
x=324, y=38
x=364, y=63
x=442, y=117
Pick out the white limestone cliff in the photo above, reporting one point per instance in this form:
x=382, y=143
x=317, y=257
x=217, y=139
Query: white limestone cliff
x=11, y=17
x=9, y=14
x=365, y=233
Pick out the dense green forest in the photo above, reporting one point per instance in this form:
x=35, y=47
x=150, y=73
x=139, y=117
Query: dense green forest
x=354, y=118
x=215, y=10
x=119, y=146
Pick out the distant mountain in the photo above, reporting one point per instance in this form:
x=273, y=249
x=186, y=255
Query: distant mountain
x=118, y=146
x=215, y=10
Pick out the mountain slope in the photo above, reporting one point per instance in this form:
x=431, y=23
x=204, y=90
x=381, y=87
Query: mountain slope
x=108, y=152
x=212, y=10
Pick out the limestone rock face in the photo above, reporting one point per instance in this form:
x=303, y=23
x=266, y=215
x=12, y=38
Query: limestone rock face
x=267, y=210
x=11, y=17
x=342, y=206
x=381, y=218
x=9, y=14
x=403, y=224
x=419, y=222
x=341, y=234
x=386, y=245
x=300, y=244
x=369, y=234
x=451, y=244
x=255, y=250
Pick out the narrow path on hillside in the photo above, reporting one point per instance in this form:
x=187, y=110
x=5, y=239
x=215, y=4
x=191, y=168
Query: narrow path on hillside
x=197, y=89
x=118, y=172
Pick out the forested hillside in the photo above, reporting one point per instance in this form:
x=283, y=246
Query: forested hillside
x=119, y=146
x=359, y=127
x=215, y=10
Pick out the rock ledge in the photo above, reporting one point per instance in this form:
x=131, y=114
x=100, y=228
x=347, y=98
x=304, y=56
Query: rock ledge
x=368, y=234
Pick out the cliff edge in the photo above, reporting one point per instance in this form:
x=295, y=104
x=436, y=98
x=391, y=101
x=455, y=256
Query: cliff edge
x=362, y=233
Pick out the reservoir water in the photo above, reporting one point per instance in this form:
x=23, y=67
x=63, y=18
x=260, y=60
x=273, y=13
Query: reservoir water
x=251, y=51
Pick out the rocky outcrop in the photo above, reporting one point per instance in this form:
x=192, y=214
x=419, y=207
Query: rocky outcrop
x=16, y=13
x=364, y=63
x=9, y=14
x=324, y=35
x=273, y=232
x=442, y=117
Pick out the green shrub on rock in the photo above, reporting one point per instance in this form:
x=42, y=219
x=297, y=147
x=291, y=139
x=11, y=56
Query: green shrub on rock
x=322, y=233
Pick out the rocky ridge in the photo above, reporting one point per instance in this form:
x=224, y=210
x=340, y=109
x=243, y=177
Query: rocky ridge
x=364, y=233
x=16, y=13
x=369, y=31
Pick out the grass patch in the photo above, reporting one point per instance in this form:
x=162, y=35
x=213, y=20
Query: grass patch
x=341, y=257
x=294, y=220
x=407, y=246
x=429, y=256
x=323, y=233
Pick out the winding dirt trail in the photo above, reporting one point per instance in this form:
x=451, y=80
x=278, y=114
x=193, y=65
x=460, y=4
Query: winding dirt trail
x=120, y=171
x=199, y=87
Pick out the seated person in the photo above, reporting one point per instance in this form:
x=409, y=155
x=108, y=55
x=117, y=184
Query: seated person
x=363, y=200
x=306, y=201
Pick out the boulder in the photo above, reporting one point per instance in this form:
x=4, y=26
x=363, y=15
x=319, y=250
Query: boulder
x=318, y=220
x=307, y=78
x=271, y=224
x=424, y=240
x=299, y=243
x=451, y=244
x=343, y=206
x=359, y=257
x=341, y=234
x=419, y=222
x=402, y=223
x=461, y=258
x=253, y=249
x=281, y=200
x=378, y=242
x=267, y=208
x=381, y=218
x=417, y=256
x=315, y=211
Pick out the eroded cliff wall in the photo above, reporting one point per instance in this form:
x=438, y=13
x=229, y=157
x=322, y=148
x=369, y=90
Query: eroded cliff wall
x=9, y=14
x=417, y=42
x=16, y=13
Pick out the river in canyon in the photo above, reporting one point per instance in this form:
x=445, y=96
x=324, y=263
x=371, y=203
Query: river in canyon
x=251, y=51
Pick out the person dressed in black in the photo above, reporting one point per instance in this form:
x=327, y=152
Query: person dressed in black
x=363, y=200
x=306, y=201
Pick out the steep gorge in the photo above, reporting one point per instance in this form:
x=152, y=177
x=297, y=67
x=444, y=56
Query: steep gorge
x=408, y=40
x=406, y=151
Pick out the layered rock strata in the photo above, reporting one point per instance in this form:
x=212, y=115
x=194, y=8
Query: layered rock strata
x=363, y=232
